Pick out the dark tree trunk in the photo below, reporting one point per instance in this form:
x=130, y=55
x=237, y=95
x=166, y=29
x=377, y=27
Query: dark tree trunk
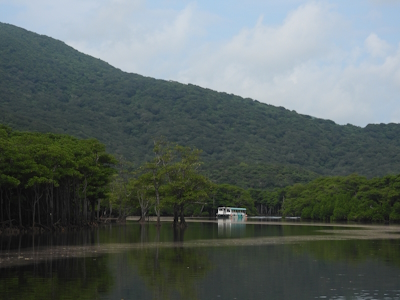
x=62, y=203
x=9, y=206
x=85, y=203
x=47, y=210
x=51, y=205
x=19, y=207
x=38, y=210
x=143, y=216
x=182, y=216
x=1, y=206
x=98, y=210
x=93, y=204
x=176, y=215
x=33, y=213
x=110, y=209
x=158, y=211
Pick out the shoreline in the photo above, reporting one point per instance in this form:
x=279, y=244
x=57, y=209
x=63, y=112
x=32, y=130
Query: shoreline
x=15, y=231
x=164, y=219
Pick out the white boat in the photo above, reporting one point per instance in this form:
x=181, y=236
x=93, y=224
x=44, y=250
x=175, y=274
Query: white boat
x=231, y=212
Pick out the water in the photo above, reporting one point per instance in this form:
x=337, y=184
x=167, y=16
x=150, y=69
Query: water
x=208, y=260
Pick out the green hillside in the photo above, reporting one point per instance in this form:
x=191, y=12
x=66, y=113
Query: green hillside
x=48, y=86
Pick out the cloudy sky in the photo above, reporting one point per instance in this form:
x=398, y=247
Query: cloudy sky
x=337, y=60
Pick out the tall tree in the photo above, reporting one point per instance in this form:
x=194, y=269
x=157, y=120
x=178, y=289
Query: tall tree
x=185, y=184
x=142, y=190
x=163, y=156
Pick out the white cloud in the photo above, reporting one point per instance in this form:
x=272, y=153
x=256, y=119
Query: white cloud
x=126, y=33
x=303, y=36
x=152, y=43
x=298, y=65
x=376, y=47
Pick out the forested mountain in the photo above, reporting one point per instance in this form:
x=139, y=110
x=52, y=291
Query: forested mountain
x=48, y=86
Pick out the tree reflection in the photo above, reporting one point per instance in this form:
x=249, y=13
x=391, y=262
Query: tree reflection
x=352, y=251
x=179, y=234
x=73, y=278
x=170, y=271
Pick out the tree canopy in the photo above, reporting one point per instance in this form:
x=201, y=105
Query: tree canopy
x=170, y=181
x=49, y=179
x=347, y=198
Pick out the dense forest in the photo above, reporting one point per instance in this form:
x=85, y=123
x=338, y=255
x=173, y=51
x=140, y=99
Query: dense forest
x=52, y=181
x=46, y=86
x=48, y=180
x=55, y=181
x=173, y=184
x=346, y=198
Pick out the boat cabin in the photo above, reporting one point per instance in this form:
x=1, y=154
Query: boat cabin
x=231, y=212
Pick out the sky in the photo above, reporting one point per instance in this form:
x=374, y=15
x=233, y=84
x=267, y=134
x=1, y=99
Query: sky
x=337, y=60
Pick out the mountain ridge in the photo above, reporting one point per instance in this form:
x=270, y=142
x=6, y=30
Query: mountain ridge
x=48, y=86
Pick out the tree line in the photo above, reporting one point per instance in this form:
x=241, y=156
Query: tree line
x=343, y=198
x=172, y=183
x=51, y=179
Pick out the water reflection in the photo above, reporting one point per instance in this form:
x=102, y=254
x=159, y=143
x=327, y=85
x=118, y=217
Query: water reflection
x=231, y=228
x=77, y=278
x=276, y=272
x=169, y=271
x=46, y=240
x=207, y=260
x=352, y=251
x=179, y=234
x=166, y=272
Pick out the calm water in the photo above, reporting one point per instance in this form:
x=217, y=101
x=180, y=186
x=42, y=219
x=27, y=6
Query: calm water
x=206, y=261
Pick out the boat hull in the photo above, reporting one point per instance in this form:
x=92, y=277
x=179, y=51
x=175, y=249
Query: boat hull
x=223, y=216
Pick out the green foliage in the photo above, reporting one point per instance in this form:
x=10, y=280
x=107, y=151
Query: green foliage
x=233, y=196
x=57, y=175
x=350, y=198
x=47, y=86
x=170, y=180
x=257, y=155
x=259, y=176
x=395, y=214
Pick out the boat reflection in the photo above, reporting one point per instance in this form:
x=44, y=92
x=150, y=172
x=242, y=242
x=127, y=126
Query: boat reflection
x=233, y=227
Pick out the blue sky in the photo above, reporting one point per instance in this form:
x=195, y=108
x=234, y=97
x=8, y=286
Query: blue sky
x=337, y=60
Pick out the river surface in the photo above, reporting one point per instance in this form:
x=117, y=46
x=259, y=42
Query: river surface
x=208, y=260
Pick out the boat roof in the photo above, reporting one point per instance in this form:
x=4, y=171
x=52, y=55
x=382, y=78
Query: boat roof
x=238, y=208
